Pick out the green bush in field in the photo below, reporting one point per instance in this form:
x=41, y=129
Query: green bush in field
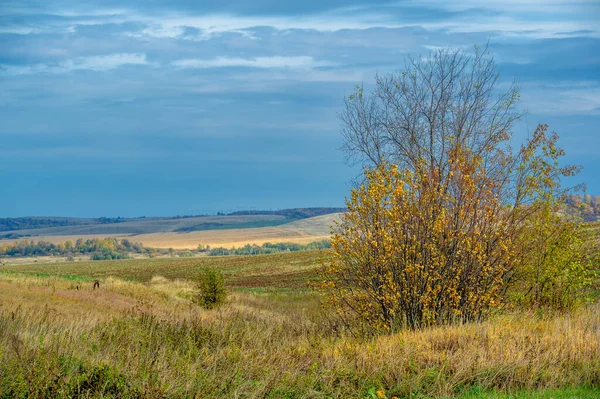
x=211, y=288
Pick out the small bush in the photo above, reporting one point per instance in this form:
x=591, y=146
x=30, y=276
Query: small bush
x=102, y=381
x=211, y=288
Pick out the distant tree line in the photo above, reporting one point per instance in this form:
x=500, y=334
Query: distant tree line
x=98, y=248
x=294, y=213
x=105, y=220
x=268, y=248
x=10, y=224
x=30, y=223
x=112, y=248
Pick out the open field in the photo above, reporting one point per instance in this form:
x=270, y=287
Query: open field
x=227, y=238
x=301, y=232
x=316, y=226
x=283, y=270
x=140, y=335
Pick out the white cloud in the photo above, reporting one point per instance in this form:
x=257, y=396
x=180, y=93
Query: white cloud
x=92, y=63
x=18, y=30
x=302, y=62
x=106, y=62
x=171, y=25
x=508, y=18
x=107, y=12
x=513, y=26
x=545, y=6
x=562, y=98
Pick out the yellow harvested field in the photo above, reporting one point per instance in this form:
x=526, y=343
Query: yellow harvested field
x=225, y=238
x=214, y=238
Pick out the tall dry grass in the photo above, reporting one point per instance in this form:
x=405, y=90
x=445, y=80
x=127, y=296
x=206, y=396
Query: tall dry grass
x=151, y=340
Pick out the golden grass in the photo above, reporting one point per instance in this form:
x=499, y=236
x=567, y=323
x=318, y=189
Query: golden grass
x=269, y=345
x=317, y=226
x=226, y=238
x=215, y=238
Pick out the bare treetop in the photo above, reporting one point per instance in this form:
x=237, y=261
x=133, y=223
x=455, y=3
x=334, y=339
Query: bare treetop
x=413, y=115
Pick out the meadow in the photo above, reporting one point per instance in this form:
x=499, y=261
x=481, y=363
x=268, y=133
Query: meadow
x=142, y=335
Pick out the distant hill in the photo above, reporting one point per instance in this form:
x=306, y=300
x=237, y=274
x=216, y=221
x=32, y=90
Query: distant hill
x=42, y=222
x=11, y=224
x=317, y=226
x=12, y=228
x=588, y=206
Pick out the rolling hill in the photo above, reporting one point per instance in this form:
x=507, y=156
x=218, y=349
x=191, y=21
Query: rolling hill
x=228, y=231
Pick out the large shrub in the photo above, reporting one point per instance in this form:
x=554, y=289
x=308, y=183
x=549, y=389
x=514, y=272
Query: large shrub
x=441, y=225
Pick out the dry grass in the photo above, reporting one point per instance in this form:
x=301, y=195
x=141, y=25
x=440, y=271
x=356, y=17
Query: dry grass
x=316, y=226
x=149, y=340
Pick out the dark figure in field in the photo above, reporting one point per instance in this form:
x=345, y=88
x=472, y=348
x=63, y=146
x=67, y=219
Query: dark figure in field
x=96, y=284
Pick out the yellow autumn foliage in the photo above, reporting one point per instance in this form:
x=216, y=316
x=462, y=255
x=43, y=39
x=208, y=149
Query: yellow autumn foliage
x=431, y=245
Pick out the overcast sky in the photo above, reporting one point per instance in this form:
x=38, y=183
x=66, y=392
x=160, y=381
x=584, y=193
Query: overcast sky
x=148, y=107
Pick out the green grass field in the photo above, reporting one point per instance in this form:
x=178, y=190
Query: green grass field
x=142, y=336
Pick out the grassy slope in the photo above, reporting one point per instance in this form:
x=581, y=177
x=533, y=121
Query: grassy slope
x=141, y=336
x=148, y=340
x=318, y=226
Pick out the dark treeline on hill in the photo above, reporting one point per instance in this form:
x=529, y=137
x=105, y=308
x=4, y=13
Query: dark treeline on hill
x=98, y=248
x=26, y=223
x=10, y=224
x=586, y=205
x=269, y=248
x=294, y=213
